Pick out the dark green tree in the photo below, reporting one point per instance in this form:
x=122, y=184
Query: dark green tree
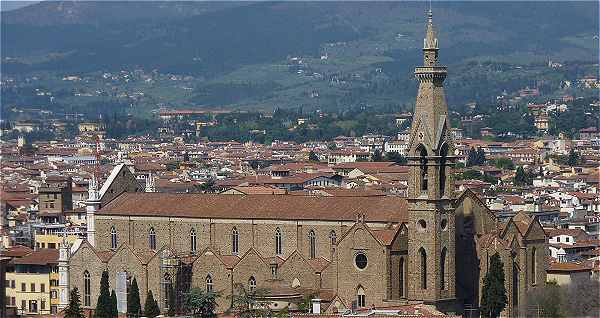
x=207, y=187
x=395, y=157
x=134, y=306
x=547, y=300
x=245, y=302
x=151, y=309
x=377, y=156
x=522, y=178
x=480, y=156
x=172, y=305
x=113, y=300
x=104, y=304
x=312, y=156
x=573, y=159
x=504, y=163
x=201, y=304
x=494, y=293
x=472, y=157
x=74, y=309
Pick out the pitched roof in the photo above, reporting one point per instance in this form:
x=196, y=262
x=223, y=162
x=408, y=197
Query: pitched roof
x=567, y=267
x=281, y=207
x=38, y=257
x=386, y=236
x=318, y=264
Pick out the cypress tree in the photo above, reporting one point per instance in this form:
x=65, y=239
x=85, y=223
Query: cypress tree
x=172, y=305
x=471, y=157
x=480, y=156
x=494, y=293
x=104, y=304
x=151, y=309
x=74, y=309
x=113, y=300
x=134, y=307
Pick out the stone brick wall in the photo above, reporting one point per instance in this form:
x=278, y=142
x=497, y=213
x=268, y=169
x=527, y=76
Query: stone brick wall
x=372, y=279
x=208, y=263
x=85, y=259
x=296, y=267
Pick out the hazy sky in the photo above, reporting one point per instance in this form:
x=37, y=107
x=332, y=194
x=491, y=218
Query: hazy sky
x=11, y=5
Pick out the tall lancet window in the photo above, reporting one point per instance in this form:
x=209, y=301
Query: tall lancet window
x=278, y=242
x=312, y=244
x=235, y=241
x=152, y=239
x=423, y=169
x=443, y=155
x=423, y=255
x=193, y=241
x=443, y=269
x=113, y=238
x=87, y=289
x=533, y=266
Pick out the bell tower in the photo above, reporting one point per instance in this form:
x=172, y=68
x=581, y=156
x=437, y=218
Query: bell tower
x=431, y=190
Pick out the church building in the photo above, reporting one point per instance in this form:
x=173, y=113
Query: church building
x=432, y=248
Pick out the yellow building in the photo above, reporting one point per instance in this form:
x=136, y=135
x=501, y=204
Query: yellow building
x=53, y=241
x=30, y=281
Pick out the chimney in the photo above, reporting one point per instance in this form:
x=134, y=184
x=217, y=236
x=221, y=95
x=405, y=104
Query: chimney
x=316, y=306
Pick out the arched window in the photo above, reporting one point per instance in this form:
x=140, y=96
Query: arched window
x=113, y=238
x=361, y=299
x=312, y=244
x=235, y=241
x=401, y=277
x=209, y=283
x=533, y=266
x=444, y=155
x=333, y=237
x=278, y=242
x=152, y=239
x=252, y=284
x=193, y=242
x=423, y=268
x=87, y=289
x=167, y=288
x=443, y=269
x=423, y=169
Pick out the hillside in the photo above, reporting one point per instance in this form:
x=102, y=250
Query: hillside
x=230, y=46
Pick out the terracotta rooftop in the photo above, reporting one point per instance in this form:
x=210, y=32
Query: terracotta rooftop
x=318, y=264
x=38, y=257
x=385, y=236
x=567, y=267
x=282, y=207
x=16, y=251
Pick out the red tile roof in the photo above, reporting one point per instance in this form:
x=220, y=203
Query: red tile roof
x=38, y=257
x=282, y=207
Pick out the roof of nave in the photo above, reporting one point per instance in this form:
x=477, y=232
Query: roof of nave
x=280, y=207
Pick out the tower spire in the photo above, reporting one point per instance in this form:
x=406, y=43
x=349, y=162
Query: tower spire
x=431, y=190
x=430, y=43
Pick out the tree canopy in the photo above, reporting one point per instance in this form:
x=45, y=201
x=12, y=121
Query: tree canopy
x=104, y=304
x=74, y=309
x=494, y=292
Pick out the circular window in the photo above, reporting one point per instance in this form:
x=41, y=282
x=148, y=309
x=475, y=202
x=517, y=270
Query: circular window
x=444, y=224
x=360, y=261
x=422, y=224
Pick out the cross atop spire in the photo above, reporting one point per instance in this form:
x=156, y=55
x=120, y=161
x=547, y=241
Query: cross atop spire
x=430, y=41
